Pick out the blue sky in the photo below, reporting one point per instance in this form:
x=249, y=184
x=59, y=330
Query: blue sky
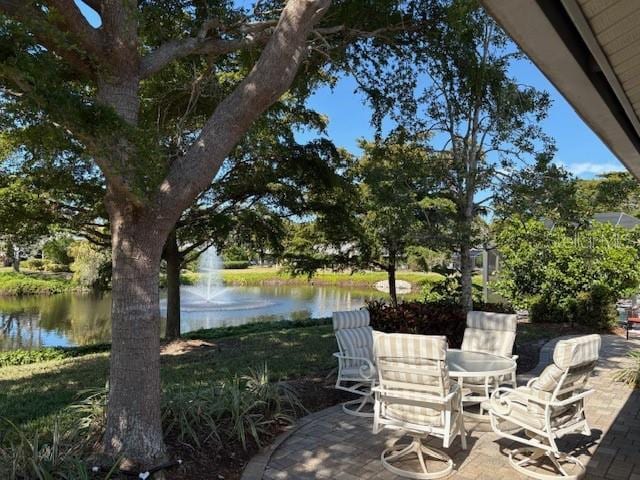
x=579, y=149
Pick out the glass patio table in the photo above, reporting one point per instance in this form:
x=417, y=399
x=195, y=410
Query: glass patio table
x=482, y=372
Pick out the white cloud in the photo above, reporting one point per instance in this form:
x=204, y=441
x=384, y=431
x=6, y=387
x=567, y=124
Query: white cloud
x=593, y=168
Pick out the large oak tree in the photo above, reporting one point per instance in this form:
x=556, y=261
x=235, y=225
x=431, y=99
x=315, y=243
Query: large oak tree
x=86, y=84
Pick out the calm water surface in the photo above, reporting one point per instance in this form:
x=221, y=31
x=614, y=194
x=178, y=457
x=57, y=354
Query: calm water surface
x=74, y=319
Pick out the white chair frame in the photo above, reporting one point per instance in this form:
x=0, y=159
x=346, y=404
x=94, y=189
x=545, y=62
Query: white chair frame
x=452, y=422
x=542, y=441
x=359, y=384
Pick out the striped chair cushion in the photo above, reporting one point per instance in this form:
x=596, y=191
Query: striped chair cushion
x=419, y=354
x=492, y=321
x=409, y=347
x=415, y=414
x=356, y=342
x=490, y=332
x=350, y=319
x=497, y=342
x=577, y=351
x=579, y=356
x=411, y=364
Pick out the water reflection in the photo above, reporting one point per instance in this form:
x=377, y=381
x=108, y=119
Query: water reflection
x=73, y=319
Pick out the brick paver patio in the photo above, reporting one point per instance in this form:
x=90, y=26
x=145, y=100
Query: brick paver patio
x=332, y=445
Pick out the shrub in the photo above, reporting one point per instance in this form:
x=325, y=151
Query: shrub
x=34, y=264
x=12, y=283
x=90, y=267
x=235, y=264
x=243, y=409
x=55, y=267
x=433, y=318
x=595, y=308
x=25, y=357
x=449, y=289
x=567, y=274
x=56, y=250
x=630, y=375
x=427, y=318
x=56, y=452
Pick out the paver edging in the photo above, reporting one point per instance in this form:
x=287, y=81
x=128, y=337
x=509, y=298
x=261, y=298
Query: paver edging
x=258, y=463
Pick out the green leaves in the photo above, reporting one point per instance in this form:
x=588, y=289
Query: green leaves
x=557, y=266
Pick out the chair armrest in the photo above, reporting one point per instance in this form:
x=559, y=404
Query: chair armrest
x=531, y=381
x=572, y=399
x=539, y=401
x=367, y=364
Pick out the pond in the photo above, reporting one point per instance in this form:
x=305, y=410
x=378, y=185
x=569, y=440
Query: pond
x=75, y=319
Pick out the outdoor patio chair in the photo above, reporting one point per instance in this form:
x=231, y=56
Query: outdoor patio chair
x=415, y=396
x=356, y=370
x=493, y=333
x=550, y=406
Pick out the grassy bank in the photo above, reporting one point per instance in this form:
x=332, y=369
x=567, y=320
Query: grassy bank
x=14, y=283
x=275, y=276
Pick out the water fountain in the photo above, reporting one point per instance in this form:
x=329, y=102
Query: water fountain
x=210, y=294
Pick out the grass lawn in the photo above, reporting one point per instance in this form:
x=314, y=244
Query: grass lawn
x=275, y=275
x=32, y=395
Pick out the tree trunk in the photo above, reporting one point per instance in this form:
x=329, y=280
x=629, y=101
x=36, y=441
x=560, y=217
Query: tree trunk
x=15, y=258
x=174, y=261
x=133, y=429
x=466, y=271
x=391, y=273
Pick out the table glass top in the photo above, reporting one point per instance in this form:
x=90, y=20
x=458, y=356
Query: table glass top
x=476, y=362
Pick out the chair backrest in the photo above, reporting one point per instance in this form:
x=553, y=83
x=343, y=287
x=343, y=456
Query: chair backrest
x=409, y=362
x=490, y=332
x=574, y=360
x=354, y=335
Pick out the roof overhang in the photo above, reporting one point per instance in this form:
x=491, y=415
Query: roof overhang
x=560, y=40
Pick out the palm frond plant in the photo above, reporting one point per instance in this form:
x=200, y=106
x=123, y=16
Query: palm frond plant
x=631, y=374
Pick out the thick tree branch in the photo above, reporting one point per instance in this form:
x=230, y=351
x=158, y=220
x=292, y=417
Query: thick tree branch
x=52, y=39
x=254, y=34
x=268, y=80
x=68, y=17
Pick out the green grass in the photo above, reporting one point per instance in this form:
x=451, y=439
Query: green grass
x=26, y=357
x=13, y=283
x=33, y=395
x=274, y=275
